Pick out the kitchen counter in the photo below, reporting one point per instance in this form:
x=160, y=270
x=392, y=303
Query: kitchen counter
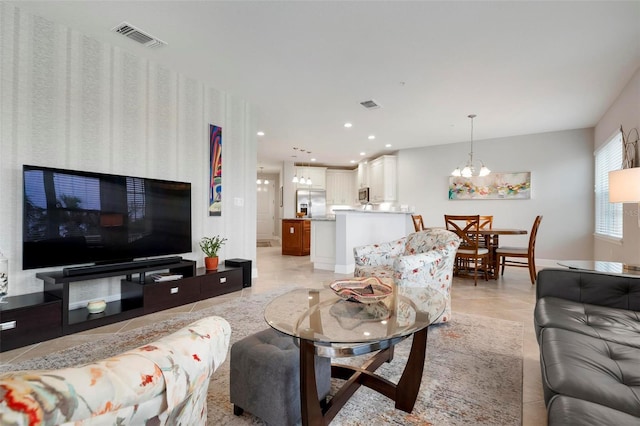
x=333, y=240
x=324, y=218
x=332, y=218
x=371, y=211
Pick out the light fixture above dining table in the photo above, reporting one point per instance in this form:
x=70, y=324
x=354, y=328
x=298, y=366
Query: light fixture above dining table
x=469, y=168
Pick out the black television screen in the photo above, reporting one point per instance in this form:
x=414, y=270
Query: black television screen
x=76, y=217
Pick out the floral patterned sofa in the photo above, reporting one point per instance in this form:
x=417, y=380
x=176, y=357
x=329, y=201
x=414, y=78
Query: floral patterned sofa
x=423, y=258
x=164, y=382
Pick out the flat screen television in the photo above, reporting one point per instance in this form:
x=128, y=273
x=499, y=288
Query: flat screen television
x=79, y=217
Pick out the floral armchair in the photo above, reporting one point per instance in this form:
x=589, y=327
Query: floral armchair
x=424, y=258
x=162, y=383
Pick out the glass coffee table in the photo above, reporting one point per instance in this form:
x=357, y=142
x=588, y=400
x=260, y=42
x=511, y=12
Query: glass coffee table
x=599, y=266
x=326, y=325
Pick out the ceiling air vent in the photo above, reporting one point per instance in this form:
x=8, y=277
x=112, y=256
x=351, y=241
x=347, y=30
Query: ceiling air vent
x=138, y=35
x=370, y=104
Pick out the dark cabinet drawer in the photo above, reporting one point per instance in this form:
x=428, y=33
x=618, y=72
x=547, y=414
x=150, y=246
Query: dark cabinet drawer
x=30, y=324
x=216, y=283
x=169, y=294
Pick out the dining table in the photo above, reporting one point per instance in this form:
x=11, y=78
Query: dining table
x=492, y=241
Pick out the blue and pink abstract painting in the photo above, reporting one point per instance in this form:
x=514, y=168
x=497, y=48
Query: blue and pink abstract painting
x=215, y=170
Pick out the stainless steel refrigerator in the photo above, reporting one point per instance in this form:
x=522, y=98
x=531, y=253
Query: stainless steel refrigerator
x=311, y=202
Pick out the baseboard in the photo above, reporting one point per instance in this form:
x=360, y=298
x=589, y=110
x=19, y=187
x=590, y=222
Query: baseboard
x=547, y=263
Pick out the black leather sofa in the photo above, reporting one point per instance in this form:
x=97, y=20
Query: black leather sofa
x=588, y=329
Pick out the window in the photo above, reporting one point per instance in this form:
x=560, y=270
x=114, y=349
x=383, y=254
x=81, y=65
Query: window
x=608, y=215
x=136, y=206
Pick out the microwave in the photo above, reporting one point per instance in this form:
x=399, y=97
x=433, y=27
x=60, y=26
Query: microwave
x=363, y=195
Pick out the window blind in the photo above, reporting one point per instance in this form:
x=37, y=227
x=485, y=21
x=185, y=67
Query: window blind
x=77, y=192
x=608, y=215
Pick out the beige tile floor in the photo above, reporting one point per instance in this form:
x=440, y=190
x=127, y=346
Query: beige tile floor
x=511, y=297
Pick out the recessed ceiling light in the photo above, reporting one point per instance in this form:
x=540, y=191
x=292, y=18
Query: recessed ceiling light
x=313, y=159
x=348, y=125
x=260, y=133
x=352, y=161
x=388, y=145
x=371, y=137
x=363, y=153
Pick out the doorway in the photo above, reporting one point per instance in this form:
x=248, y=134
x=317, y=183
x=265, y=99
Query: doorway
x=266, y=205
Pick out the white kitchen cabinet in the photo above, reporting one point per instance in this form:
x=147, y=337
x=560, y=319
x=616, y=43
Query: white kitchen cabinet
x=363, y=175
x=382, y=179
x=317, y=175
x=341, y=188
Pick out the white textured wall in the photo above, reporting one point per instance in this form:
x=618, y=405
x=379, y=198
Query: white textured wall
x=69, y=101
x=561, y=166
x=625, y=112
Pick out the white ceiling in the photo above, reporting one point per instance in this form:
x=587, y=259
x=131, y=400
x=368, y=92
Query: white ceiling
x=522, y=67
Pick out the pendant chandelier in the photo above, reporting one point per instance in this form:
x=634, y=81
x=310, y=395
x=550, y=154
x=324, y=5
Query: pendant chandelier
x=469, y=168
x=302, y=179
x=295, y=176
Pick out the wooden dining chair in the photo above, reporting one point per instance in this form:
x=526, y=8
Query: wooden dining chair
x=418, y=224
x=528, y=253
x=469, y=254
x=486, y=222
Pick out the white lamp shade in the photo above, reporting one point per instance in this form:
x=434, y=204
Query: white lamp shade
x=624, y=186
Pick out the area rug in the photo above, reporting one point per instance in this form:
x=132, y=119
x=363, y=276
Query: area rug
x=473, y=372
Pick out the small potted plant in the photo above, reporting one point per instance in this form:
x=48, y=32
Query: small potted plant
x=210, y=247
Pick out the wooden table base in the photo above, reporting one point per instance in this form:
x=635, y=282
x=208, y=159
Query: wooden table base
x=404, y=393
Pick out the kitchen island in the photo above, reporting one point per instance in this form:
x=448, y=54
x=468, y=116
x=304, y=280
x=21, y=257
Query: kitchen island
x=296, y=236
x=332, y=241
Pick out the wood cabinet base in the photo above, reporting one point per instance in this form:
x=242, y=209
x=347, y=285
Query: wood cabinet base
x=296, y=237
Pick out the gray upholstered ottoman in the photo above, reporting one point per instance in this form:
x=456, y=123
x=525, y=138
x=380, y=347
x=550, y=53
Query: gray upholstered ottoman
x=265, y=377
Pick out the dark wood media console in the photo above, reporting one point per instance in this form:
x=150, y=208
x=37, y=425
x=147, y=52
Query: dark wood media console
x=36, y=317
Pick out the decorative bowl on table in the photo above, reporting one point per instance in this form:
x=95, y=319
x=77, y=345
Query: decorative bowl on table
x=363, y=290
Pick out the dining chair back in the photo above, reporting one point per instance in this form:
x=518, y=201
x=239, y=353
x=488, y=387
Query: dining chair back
x=418, y=224
x=470, y=253
x=528, y=253
x=486, y=222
